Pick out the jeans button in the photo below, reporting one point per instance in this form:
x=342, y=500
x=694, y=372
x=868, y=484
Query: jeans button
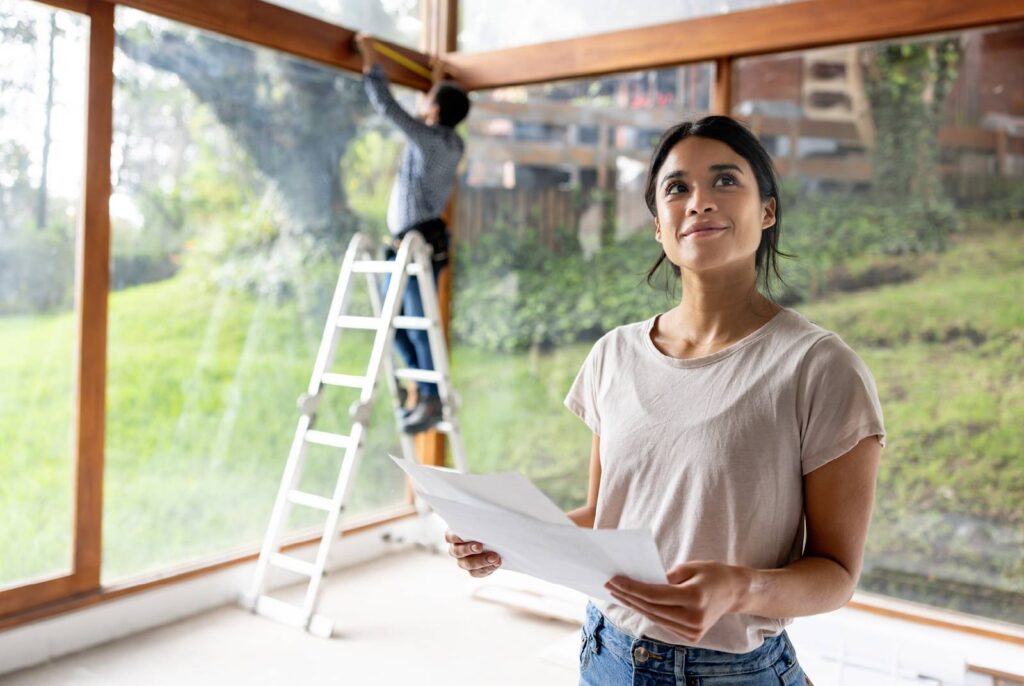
x=640, y=655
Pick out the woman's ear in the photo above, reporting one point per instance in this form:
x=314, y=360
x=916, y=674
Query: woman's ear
x=768, y=215
x=657, y=230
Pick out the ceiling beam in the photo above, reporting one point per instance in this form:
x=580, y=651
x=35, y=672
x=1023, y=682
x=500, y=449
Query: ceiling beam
x=779, y=28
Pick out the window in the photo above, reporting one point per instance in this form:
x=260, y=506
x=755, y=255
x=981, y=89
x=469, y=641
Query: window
x=902, y=165
x=239, y=176
x=553, y=241
x=42, y=110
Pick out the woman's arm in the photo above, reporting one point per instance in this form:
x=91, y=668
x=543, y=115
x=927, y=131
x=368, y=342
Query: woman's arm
x=838, y=498
x=584, y=516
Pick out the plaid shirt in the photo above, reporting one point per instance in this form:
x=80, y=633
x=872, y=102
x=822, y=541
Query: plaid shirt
x=426, y=174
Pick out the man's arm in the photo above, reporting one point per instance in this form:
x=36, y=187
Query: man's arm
x=838, y=498
x=378, y=90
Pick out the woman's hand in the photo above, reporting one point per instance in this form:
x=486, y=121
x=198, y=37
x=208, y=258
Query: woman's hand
x=472, y=556
x=696, y=596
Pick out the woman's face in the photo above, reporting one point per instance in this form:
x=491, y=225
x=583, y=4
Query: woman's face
x=710, y=214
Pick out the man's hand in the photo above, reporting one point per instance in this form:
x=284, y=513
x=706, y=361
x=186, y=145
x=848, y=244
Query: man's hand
x=367, y=49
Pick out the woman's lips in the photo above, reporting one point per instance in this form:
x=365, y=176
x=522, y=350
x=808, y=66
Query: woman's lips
x=703, y=233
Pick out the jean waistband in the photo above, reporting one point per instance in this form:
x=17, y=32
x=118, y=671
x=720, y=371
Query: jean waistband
x=658, y=656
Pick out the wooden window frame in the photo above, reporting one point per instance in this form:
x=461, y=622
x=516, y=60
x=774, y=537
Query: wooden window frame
x=723, y=38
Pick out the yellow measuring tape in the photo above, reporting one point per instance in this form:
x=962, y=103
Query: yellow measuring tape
x=403, y=60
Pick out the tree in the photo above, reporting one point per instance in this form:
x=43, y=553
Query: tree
x=294, y=119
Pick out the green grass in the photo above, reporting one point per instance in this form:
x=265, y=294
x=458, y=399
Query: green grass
x=202, y=384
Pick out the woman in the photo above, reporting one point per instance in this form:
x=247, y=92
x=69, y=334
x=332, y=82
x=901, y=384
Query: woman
x=730, y=426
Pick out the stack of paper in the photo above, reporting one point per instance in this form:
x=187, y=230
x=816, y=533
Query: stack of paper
x=512, y=517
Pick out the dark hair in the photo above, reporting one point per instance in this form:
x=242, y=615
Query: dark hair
x=745, y=144
x=452, y=103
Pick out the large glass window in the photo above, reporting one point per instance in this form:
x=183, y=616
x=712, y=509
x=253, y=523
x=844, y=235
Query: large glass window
x=903, y=171
x=486, y=25
x=239, y=176
x=553, y=242
x=42, y=112
x=400, y=21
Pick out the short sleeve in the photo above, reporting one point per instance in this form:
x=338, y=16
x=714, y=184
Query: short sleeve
x=837, y=403
x=582, y=396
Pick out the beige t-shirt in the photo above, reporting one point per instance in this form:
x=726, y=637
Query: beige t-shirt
x=709, y=453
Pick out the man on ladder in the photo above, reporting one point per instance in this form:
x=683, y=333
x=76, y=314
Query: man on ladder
x=422, y=187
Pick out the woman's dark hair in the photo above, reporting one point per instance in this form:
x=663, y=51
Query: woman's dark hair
x=745, y=144
x=452, y=103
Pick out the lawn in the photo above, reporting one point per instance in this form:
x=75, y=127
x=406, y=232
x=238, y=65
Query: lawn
x=202, y=386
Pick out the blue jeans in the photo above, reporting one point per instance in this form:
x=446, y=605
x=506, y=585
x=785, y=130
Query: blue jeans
x=609, y=657
x=414, y=344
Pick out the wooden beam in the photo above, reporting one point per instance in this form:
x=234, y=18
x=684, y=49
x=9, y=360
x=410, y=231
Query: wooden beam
x=723, y=86
x=92, y=285
x=778, y=28
x=271, y=26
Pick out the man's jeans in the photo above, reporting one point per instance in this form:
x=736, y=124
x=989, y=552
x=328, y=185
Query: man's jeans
x=414, y=344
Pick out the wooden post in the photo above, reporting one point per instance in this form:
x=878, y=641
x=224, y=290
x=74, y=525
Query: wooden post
x=430, y=445
x=92, y=285
x=723, y=87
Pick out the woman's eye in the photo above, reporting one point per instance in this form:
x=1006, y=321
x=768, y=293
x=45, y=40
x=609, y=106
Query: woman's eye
x=728, y=177
x=671, y=188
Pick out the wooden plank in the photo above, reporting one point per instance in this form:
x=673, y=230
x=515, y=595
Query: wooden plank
x=271, y=26
x=723, y=86
x=80, y=6
x=92, y=287
x=778, y=28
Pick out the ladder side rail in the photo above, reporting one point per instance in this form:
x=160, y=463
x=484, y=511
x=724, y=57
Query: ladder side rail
x=342, y=491
x=279, y=513
x=406, y=442
x=339, y=304
x=438, y=347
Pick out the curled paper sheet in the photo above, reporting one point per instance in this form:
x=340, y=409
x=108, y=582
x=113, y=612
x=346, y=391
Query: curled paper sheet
x=512, y=517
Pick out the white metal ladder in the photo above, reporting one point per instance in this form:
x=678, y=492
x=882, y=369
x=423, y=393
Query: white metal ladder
x=413, y=259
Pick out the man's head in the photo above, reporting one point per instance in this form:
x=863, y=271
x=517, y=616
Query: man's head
x=446, y=104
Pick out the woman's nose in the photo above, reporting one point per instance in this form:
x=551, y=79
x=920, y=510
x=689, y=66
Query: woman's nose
x=700, y=202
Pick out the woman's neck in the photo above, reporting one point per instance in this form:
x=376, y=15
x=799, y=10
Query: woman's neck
x=715, y=312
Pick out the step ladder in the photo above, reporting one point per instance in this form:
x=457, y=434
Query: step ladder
x=362, y=257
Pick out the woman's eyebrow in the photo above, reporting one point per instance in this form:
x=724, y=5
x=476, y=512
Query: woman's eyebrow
x=681, y=173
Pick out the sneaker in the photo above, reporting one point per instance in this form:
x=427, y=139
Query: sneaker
x=427, y=413
x=403, y=397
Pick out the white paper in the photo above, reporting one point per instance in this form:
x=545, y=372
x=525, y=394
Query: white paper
x=512, y=517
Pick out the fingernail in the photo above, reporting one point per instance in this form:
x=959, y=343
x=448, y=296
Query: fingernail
x=476, y=548
x=492, y=559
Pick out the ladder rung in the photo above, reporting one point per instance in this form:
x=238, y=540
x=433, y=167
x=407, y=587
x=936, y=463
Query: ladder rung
x=425, y=375
x=293, y=564
x=351, y=322
x=373, y=267
x=325, y=438
x=332, y=379
x=421, y=323
x=317, y=502
x=286, y=613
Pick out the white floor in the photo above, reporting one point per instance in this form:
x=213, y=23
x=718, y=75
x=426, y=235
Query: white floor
x=412, y=618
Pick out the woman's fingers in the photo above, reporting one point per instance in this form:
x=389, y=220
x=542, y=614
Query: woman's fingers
x=471, y=555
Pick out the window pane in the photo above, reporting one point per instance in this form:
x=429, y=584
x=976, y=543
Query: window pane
x=398, y=21
x=486, y=25
x=902, y=167
x=240, y=175
x=42, y=114
x=553, y=241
